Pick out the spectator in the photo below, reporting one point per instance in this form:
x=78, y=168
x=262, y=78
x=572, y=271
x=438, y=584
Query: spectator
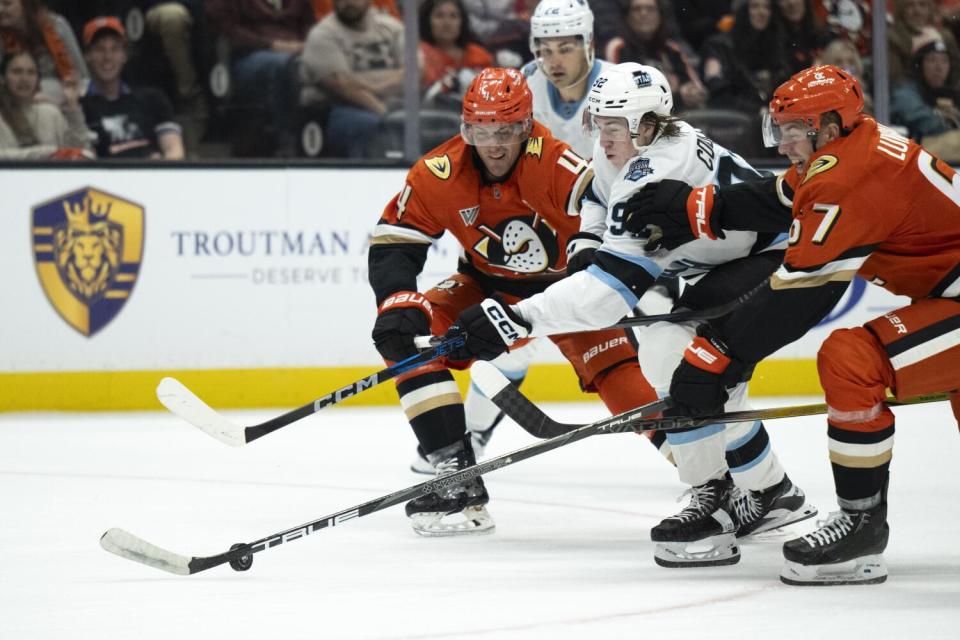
x=950, y=15
x=31, y=129
x=843, y=53
x=450, y=55
x=127, y=123
x=741, y=68
x=926, y=101
x=850, y=19
x=702, y=19
x=353, y=57
x=503, y=28
x=266, y=37
x=177, y=25
x=607, y=17
x=28, y=25
x=914, y=25
x=806, y=35
x=649, y=37
x=323, y=8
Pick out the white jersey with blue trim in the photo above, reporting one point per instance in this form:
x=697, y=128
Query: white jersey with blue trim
x=564, y=119
x=610, y=288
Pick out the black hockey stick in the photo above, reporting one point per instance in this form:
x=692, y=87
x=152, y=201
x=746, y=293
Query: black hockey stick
x=240, y=556
x=690, y=315
x=531, y=419
x=176, y=397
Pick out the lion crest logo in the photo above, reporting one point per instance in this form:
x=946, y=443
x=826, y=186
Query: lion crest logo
x=88, y=246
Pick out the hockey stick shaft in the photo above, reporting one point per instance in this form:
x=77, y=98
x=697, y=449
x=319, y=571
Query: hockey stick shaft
x=538, y=424
x=688, y=315
x=131, y=547
x=186, y=405
x=352, y=389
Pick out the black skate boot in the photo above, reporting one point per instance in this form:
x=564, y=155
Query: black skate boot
x=702, y=535
x=462, y=502
x=420, y=463
x=846, y=549
x=774, y=507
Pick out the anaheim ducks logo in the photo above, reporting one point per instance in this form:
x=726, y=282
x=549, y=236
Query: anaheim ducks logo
x=88, y=246
x=534, y=147
x=525, y=244
x=439, y=166
x=820, y=165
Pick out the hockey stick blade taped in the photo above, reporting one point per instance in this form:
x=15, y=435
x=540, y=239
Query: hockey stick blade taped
x=126, y=545
x=184, y=404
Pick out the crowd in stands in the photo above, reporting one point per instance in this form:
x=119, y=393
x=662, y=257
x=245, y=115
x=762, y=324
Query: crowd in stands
x=174, y=79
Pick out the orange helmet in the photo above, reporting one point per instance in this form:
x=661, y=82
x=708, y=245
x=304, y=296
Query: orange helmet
x=815, y=91
x=498, y=96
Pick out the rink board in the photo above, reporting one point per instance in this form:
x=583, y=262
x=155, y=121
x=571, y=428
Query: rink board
x=249, y=283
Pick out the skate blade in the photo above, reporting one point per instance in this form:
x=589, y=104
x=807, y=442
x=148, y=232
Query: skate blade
x=778, y=520
x=865, y=570
x=716, y=551
x=422, y=466
x=470, y=521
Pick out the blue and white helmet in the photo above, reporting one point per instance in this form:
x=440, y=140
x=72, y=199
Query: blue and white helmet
x=629, y=90
x=561, y=18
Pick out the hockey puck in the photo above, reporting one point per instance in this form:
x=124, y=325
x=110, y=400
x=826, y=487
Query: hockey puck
x=241, y=562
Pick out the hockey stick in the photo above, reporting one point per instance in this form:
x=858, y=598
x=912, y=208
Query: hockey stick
x=183, y=403
x=240, y=556
x=688, y=315
x=531, y=419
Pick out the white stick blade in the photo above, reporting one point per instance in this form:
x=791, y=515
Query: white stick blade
x=488, y=378
x=126, y=545
x=184, y=404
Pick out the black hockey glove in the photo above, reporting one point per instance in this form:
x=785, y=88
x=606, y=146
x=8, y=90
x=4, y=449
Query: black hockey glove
x=400, y=318
x=580, y=250
x=699, y=384
x=680, y=213
x=490, y=327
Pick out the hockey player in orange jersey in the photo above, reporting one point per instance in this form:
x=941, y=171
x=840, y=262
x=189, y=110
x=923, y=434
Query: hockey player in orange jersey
x=509, y=192
x=867, y=202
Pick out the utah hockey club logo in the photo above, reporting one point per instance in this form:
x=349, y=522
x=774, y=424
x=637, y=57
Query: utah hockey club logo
x=87, y=246
x=642, y=78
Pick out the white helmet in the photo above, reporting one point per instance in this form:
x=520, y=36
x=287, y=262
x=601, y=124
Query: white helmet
x=629, y=90
x=559, y=18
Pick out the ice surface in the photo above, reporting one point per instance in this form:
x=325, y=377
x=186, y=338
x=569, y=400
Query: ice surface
x=571, y=557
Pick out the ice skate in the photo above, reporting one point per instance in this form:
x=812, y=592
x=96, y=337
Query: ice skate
x=846, y=549
x=420, y=463
x=702, y=535
x=456, y=509
x=756, y=512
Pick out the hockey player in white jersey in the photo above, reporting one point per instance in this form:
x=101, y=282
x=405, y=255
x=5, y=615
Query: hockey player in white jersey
x=738, y=484
x=561, y=40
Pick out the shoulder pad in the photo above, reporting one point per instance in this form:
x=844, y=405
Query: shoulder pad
x=440, y=166
x=534, y=147
x=819, y=166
